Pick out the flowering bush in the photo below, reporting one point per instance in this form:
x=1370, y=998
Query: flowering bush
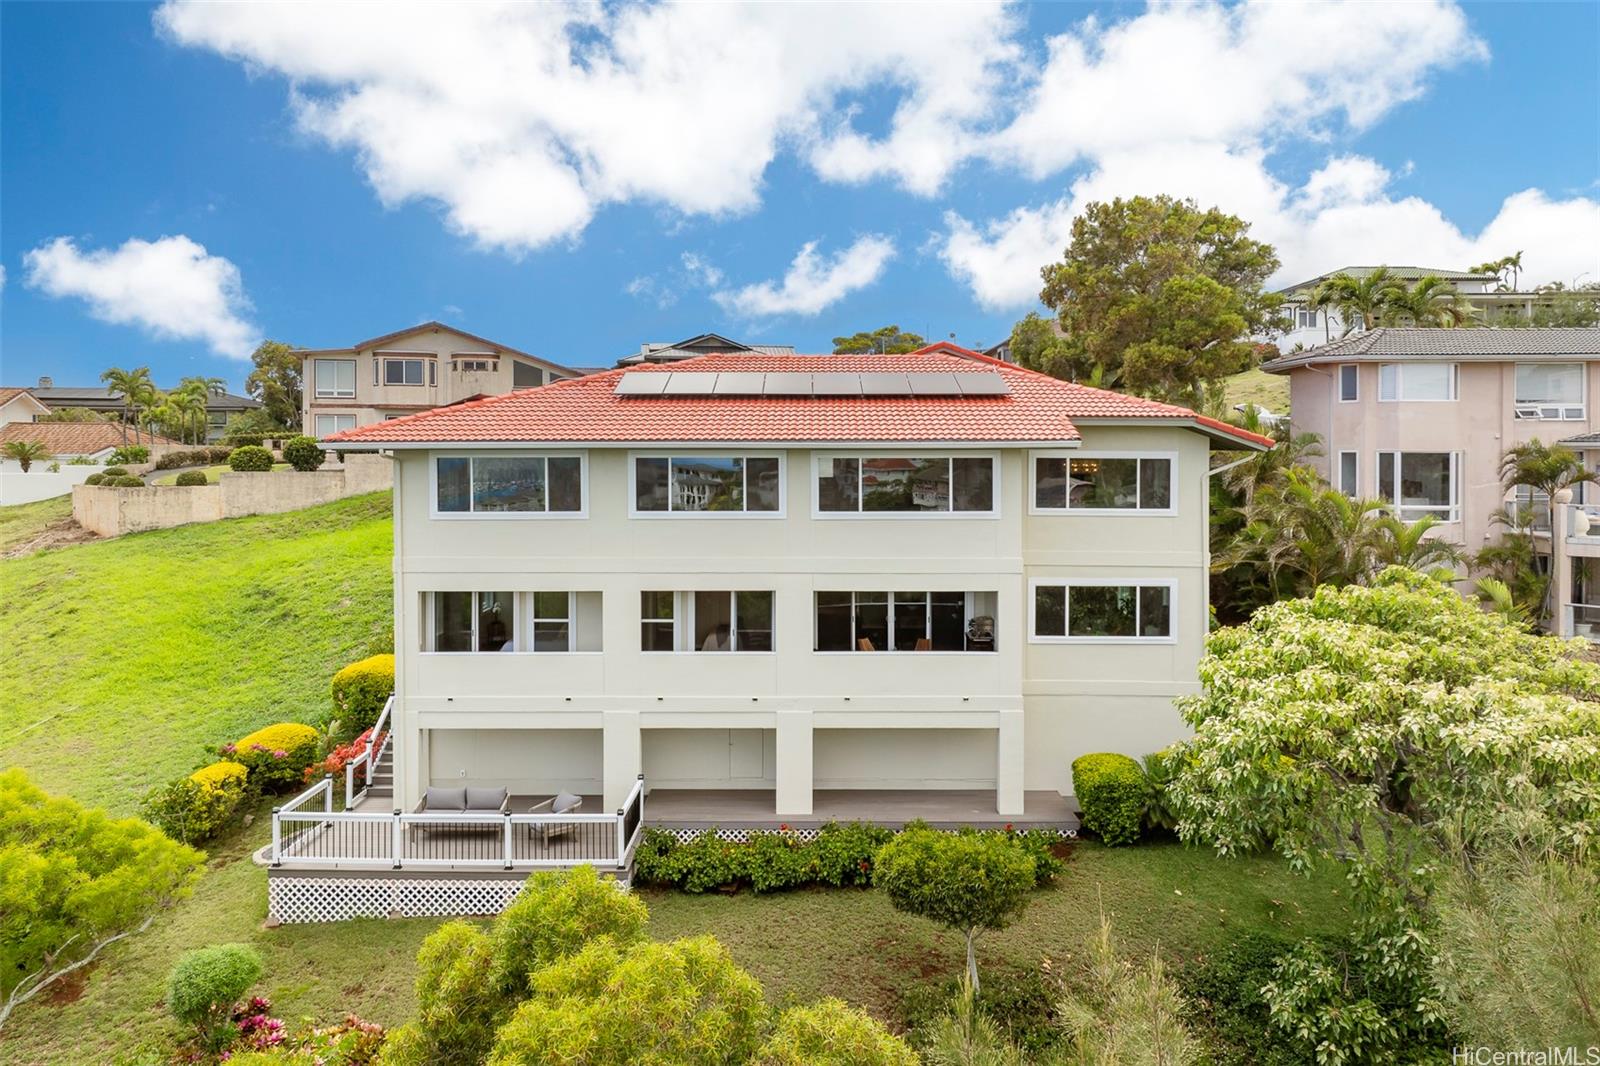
x=360, y=690
x=276, y=756
x=258, y=1030
x=195, y=808
x=341, y=756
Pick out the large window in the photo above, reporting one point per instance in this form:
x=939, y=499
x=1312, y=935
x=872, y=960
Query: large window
x=706, y=621
x=905, y=484
x=1550, y=391
x=1417, y=381
x=1419, y=483
x=508, y=484
x=905, y=621
x=1349, y=383
x=327, y=425
x=1102, y=611
x=473, y=621
x=1348, y=468
x=407, y=371
x=512, y=621
x=1102, y=483
x=1305, y=318
x=336, y=377
x=525, y=375
x=722, y=484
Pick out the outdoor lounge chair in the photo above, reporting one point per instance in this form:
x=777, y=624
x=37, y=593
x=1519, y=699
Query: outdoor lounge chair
x=560, y=803
x=465, y=801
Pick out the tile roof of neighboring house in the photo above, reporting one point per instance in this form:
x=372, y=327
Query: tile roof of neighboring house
x=1399, y=273
x=70, y=396
x=75, y=438
x=1584, y=439
x=9, y=394
x=372, y=342
x=1037, y=408
x=1487, y=344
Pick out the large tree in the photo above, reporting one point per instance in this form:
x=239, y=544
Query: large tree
x=276, y=381
x=133, y=388
x=890, y=340
x=1158, y=297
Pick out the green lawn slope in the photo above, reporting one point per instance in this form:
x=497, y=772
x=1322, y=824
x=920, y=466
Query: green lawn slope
x=1270, y=391
x=124, y=658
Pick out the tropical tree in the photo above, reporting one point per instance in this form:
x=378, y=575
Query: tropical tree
x=25, y=452
x=200, y=388
x=1159, y=297
x=1545, y=469
x=890, y=340
x=1359, y=300
x=1512, y=579
x=276, y=381
x=1508, y=268
x=1430, y=301
x=1408, y=544
x=131, y=387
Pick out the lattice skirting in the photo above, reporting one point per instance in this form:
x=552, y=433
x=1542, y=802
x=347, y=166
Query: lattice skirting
x=742, y=836
x=295, y=900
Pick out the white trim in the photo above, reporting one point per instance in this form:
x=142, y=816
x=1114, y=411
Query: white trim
x=1141, y=512
x=319, y=393
x=683, y=622
x=470, y=515
x=1445, y=513
x=319, y=416
x=1399, y=383
x=1171, y=584
x=1352, y=491
x=631, y=482
x=1565, y=412
x=830, y=454
x=967, y=614
x=1338, y=381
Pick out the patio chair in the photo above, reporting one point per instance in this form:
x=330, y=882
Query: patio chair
x=560, y=803
x=464, y=801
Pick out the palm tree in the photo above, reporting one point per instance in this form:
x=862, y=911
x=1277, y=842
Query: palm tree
x=1498, y=598
x=1545, y=469
x=1364, y=298
x=1306, y=534
x=203, y=389
x=1431, y=301
x=128, y=386
x=1408, y=544
x=25, y=452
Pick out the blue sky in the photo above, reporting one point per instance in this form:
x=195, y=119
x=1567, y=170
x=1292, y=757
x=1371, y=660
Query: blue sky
x=575, y=181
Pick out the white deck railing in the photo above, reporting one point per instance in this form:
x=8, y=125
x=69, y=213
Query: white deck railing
x=303, y=836
x=367, y=762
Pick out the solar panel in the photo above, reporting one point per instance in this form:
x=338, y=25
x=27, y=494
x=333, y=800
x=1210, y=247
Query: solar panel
x=739, y=383
x=690, y=383
x=880, y=384
x=635, y=383
x=787, y=383
x=982, y=385
x=933, y=385
x=835, y=384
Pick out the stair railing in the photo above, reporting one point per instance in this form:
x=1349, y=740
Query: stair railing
x=367, y=762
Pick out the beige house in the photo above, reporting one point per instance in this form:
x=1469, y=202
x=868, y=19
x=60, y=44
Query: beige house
x=783, y=587
x=1421, y=417
x=411, y=370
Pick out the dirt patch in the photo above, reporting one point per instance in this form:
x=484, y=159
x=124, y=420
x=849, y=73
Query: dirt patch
x=1065, y=850
x=70, y=988
x=57, y=534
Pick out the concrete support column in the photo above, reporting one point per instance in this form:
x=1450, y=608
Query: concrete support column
x=622, y=756
x=1560, y=621
x=411, y=762
x=1008, y=793
x=794, y=769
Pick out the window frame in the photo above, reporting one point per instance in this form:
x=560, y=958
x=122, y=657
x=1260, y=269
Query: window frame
x=889, y=604
x=996, y=475
x=427, y=363
x=430, y=627
x=315, y=418
x=1069, y=454
x=1353, y=491
x=1034, y=637
x=332, y=394
x=1447, y=514
x=1582, y=406
x=632, y=483
x=1300, y=318
x=471, y=515
x=683, y=622
x=1399, y=383
x=1355, y=380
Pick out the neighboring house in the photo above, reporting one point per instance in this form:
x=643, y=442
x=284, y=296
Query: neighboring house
x=783, y=576
x=73, y=440
x=220, y=406
x=1421, y=417
x=20, y=405
x=1309, y=328
x=411, y=370
x=703, y=344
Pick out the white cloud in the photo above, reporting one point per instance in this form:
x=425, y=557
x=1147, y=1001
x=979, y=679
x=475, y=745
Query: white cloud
x=812, y=282
x=171, y=287
x=701, y=270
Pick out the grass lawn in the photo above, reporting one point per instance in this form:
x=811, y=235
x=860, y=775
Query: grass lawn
x=211, y=473
x=1260, y=388
x=125, y=657
x=20, y=523
x=801, y=945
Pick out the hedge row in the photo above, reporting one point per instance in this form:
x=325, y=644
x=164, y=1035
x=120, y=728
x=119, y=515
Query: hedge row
x=196, y=457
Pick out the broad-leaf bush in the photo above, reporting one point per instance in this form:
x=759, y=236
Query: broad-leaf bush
x=195, y=808
x=129, y=453
x=73, y=881
x=360, y=691
x=205, y=984
x=302, y=453
x=252, y=458
x=276, y=756
x=192, y=477
x=1112, y=795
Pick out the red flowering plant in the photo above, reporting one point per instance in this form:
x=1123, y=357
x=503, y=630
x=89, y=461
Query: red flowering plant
x=342, y=755
x=257, y=1029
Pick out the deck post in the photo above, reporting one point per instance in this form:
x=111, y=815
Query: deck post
x=508, y=839
x=327, y=794
x=277, y=838
x=399, y=837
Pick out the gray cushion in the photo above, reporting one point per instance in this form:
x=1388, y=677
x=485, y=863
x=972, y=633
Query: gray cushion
x=445, y=799
x=566, y=802
x=485, y=799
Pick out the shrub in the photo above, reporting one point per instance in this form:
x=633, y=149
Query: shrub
x=339, y=757
x=556, y=915
x=352, y=1042
x=966, y=881
x=276, y=756
x=130, y=453
x=252, y=458
x=95, y=479
x=1111, y=793
x=302, y=453
x=457, y=1007
x=83, y=460
x=841, y=855
x=192, y=477
x=1223, y=991
x=832, y=1033
x=127, y=481
x=246, y=440
x=1020, y=1003
x=194, y=808
x=360, y=690
x=115, y=471
x=204, y=985
x=1160, y=769
x=172, y=460
x=219, y=454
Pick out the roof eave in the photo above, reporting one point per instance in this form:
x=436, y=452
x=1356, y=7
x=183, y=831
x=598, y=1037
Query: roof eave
x=882, y=445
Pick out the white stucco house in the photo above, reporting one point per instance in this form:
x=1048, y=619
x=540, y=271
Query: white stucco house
x=793, y=579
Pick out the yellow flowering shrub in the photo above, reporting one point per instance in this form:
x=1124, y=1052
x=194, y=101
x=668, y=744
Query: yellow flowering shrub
x=277, y=756
x=223, y=776
x=360, y=690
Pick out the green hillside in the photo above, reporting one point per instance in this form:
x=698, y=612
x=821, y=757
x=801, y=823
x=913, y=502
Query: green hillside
x=124, y=657
x=1270, y=391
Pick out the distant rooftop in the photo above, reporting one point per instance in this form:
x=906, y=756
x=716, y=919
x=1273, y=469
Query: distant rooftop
x=1483, y=344
x=702, y=344
x=1400, y=273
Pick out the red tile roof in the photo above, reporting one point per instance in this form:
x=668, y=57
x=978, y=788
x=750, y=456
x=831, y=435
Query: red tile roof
x=75, y=438
x=1038, y=408
x=7, y=395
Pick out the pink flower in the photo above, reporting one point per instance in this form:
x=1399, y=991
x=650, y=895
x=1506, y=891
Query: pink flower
x=280, y=754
